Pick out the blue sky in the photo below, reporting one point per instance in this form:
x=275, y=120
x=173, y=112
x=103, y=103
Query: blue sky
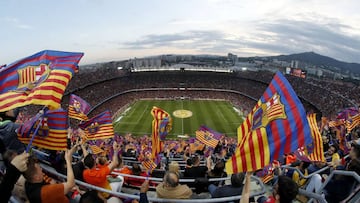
x=109, y=30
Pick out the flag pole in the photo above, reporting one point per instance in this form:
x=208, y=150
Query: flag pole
x=36, y=130
x=33, y=136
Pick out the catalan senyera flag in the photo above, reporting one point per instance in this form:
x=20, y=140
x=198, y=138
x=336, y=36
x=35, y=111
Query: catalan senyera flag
x=277, y=125
x=52, y=133
x=315, y=150
x=78, y=108
x=98, y=127
x=337, y=123
x=149, y=165
x=352, y=122
x=38, y=79
x=208, y=136
x=159, y=115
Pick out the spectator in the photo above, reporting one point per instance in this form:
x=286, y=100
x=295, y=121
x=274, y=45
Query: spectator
x=37, y=191
x=284, y=191
x=8, y=130
x=340, y=187
x=334, y=157
x=196, y=171
x=136, y=171
x=98, y=177
x=218, y=172
x=92, y=196
x=17, y=165
x=235, y=188
x=171, y=189
x=174, y=167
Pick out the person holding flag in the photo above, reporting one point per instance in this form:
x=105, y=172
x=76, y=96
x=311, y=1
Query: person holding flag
x=8, y=129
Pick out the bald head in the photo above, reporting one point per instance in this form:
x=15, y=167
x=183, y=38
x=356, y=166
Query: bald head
x=171, y=179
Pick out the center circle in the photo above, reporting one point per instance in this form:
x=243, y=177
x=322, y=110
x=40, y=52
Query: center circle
x=182, y=113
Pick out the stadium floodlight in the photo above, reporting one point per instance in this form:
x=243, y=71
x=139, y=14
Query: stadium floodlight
x=120, y=68
x=244, y=68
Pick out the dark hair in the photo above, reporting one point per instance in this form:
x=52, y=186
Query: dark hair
x=189, y=162
x=287, y=190
x=237, y=179
x=336, y=146
x=90, y=197
x=218, y=168
x=354, y=165
x=171, y=179
x=89, y=161
x=136, y=170
x=356, y=148
x=195, y=160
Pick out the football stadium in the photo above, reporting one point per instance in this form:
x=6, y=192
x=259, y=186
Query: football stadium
x=180, y=102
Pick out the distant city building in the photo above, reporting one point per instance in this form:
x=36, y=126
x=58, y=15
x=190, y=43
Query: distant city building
x=233, y=58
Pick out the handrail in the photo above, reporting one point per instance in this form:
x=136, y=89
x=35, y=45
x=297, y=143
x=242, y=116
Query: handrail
x=340, y=172
x=301, y=174
x=183, y=180
x=151, y=199
x=312, y=195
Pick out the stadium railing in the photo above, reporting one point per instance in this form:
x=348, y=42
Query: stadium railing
x=151, y=199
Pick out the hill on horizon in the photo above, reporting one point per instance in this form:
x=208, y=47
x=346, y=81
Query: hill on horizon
x=320, y=60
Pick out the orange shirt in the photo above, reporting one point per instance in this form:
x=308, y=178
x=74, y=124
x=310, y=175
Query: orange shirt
x=98, y=177
x=53, y=193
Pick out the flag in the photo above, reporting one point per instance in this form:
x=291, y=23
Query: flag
x=158, y=127
x=96, y=149
x=78, y=108
x=267, y=173
x=347, y=113
x=98, y=127
x=38, y=79
x=277, y=125
x=208, y=136
x=52, y=133
x=352, y=122
x=149, y=165
x=333, y=124
x=315, y=149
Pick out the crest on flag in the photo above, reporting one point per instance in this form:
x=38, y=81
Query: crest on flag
x=271, y=110
x=30, y=75
x=77, y=106
x=93, y=128
x=43, y=127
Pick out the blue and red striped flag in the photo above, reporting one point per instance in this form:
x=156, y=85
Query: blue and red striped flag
x=277, y=125
x=157, y=128
x=78, y=108
x=208, y=136
x=38, y=79
x=98, y=127
x=52, y=133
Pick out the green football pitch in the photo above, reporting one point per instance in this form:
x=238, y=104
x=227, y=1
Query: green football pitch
x=218, y=115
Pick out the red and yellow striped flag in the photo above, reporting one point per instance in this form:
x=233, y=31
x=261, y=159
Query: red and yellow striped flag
x=158, y=115
x=353, y=122
x=316, y=149
x=39, y=79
